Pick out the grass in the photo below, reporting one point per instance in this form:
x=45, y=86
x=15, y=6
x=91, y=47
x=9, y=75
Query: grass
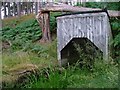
x=13, y=21
x=44, y=57
x=12, y=59
x=18, y=61
x=102, y=76
x=74, y=77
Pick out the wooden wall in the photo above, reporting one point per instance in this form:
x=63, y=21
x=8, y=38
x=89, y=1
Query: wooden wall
x=93, y=26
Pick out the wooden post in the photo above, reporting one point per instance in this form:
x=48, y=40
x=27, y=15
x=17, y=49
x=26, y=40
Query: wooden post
x=44, y=22
x=46, y=27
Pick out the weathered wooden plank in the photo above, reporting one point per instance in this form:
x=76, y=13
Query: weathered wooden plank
x=68, y=8
x=95, y=27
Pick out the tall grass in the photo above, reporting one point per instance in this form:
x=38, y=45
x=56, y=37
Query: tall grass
x=22, y=53
x=103, y=76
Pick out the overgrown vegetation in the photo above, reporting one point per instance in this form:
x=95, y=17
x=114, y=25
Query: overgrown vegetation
x=115, y=22
x=20, y=42
x=103, y=76
x=87, y=53
x=74, y=77
x=102, y=5
x=22, y=37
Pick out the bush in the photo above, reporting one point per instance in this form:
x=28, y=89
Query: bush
x=87, y=53
x=103, y=76
x=24, y=32
x=116, y=38
x=102, y=5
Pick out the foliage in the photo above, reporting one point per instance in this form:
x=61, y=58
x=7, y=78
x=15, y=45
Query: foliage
x=115, y=25
x=74, y=77
x=108, y=5
x=13, y=21
x=40, y=55
x=53, y=23
x=116, y=38
x=26, y=32
x=24, y=35
x=84, y=51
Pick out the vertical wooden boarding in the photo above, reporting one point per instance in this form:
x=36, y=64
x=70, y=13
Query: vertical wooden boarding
x=58, y=43
x=93, y=26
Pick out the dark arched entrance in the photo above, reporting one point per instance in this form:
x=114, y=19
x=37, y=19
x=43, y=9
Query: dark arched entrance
x=80, y=49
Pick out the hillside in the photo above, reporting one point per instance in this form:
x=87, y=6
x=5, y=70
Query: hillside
x=23, y=51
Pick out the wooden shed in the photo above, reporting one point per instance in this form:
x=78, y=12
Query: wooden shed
x=93, y=26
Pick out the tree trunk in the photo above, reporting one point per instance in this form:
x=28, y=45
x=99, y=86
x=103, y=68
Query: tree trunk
x=9, y=13
x=27, y=7
x=32, y=7
x=18, y=8
x=44, y=19
x=5, y=14
x=14, y=9
x=0, y=11
x=46, y=28
x=36, y=8
x=79, y=2
x=22, y=8
x=83, y=3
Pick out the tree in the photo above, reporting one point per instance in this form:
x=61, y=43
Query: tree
x=36, y=8
x=19, y=8
x=79, y=2
x=27, y=7
x=14, y=8
x=4, y=5
x=31, y=7
x=0, y=9
x=8, y=6
x=83, y=3
x=43, y=19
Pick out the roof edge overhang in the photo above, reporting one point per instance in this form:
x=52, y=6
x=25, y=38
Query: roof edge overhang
x=85, y=12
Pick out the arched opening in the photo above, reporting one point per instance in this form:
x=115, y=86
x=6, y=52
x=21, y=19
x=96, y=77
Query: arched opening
x=80, y=49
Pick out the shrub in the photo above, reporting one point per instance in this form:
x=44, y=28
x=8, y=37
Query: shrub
x=102, y=5
x=87, y=54
x=116, y=38
x=26, y=32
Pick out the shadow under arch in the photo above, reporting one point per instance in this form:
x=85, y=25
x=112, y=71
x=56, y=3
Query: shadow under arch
x=80, y=49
